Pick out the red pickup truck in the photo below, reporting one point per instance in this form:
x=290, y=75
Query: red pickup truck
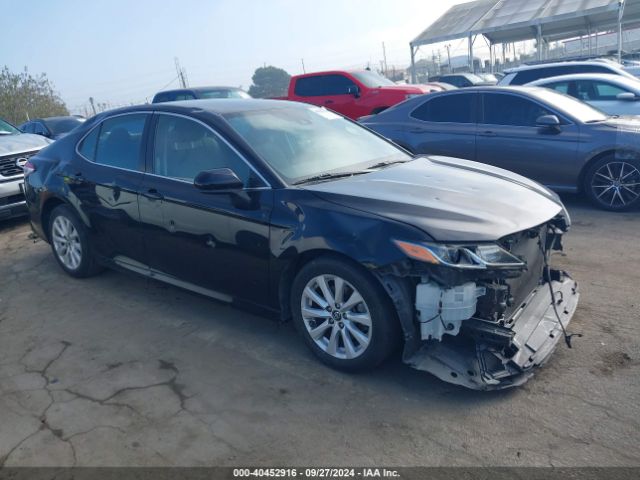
x=354, y=94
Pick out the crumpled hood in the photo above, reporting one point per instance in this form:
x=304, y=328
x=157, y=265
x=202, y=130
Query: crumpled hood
x=450, y=199
x=23, y=142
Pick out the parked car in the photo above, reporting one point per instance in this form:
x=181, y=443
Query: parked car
x=536, y=132
x=52, y=127
x=530, y=73
x=489, y=78
x=443, y=86
x=15, y=150
x=462, y=80
x=353, y=94
x=613, y=94
x=199, y=92
x=299, y=210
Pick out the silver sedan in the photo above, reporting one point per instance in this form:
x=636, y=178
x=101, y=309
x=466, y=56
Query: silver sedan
x=613, y=94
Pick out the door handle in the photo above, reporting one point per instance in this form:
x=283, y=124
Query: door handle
x=328, y=102
x=153, y=194
x=418, y=130
x=487, y=133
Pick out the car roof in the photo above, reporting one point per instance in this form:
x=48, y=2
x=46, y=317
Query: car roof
x=334, y=72
x=198, y=89
x=494, y=88
x=221, y=106
x=537, y=66
x=61, y=117
x=608, y=77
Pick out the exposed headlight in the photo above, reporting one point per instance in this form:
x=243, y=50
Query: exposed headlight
x=461, y=256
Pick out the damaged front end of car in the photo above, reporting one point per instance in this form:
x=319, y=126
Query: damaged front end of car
x=484, y=315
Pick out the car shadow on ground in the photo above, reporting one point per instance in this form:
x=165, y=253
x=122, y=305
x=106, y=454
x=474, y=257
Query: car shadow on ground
x=11, y=223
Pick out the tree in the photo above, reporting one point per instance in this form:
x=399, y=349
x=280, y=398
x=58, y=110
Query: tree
x=24, y=96
x=269, y=82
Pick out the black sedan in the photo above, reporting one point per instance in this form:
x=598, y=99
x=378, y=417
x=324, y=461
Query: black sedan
x=52, y=127
x=541, y=134
x=301, y=211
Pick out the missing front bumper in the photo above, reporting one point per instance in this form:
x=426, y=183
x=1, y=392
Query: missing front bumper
x=483, y=366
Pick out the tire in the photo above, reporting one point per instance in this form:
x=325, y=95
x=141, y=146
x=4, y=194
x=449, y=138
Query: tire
x=70, y=243
x=357, y=336
x=613, y=183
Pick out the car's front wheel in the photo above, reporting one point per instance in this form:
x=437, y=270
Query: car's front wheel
x=343, y=314
x=70, y=243
x=614, y=183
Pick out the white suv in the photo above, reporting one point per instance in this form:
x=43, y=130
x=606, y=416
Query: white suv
x=15, y=149
x=530, y=73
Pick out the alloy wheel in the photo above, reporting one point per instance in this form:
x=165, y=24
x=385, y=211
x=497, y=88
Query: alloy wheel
x=336, y=316
x=616, y=184
x=66, y=243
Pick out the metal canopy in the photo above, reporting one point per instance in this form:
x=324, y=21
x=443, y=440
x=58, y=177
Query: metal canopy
x=505, y=21
x=456, y=22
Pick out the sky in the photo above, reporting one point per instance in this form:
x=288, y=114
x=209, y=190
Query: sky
x=123, y=51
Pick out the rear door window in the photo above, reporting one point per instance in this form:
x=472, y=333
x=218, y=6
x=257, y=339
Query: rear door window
x=116, y=142
x=452, y=108
x=562, y=87
x=310, y=86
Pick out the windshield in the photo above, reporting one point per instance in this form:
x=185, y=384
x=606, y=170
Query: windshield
x=224, y=93
x=7, y=129
x=62, y=125
x=575, y=108
x=372, y=79
x=304, y=142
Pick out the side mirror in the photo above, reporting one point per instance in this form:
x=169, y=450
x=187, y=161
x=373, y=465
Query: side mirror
x=548, y=121
x=218, y=179
x=354, y=90
x=627, y=96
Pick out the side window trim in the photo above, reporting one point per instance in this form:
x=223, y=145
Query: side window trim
x=145, y=134
x=481, y=113
x=151, y=141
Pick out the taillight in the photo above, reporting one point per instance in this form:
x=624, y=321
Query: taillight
x=28, y=168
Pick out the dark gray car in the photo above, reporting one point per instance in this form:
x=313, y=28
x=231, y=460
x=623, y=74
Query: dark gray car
x=549, y=137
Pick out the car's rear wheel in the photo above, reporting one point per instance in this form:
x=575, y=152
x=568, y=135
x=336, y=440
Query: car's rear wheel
x=614, y=183
x=343, y=314
x=70, y=243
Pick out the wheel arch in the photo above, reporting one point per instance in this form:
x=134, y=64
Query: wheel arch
x=295, y=265
x=47, y=207
x=599, y=156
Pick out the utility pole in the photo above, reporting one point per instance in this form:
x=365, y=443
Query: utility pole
x=448, y=46
x=181, y=75
x=384, y=56
x=93, y=105
x=303, y=69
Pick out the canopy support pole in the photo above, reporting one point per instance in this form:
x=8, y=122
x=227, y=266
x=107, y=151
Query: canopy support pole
x=620, y=14
x=413, y=64
x=539, y=42
x=471, y=53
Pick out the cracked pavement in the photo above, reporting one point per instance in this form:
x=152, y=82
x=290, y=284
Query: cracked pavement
x=118, y=370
